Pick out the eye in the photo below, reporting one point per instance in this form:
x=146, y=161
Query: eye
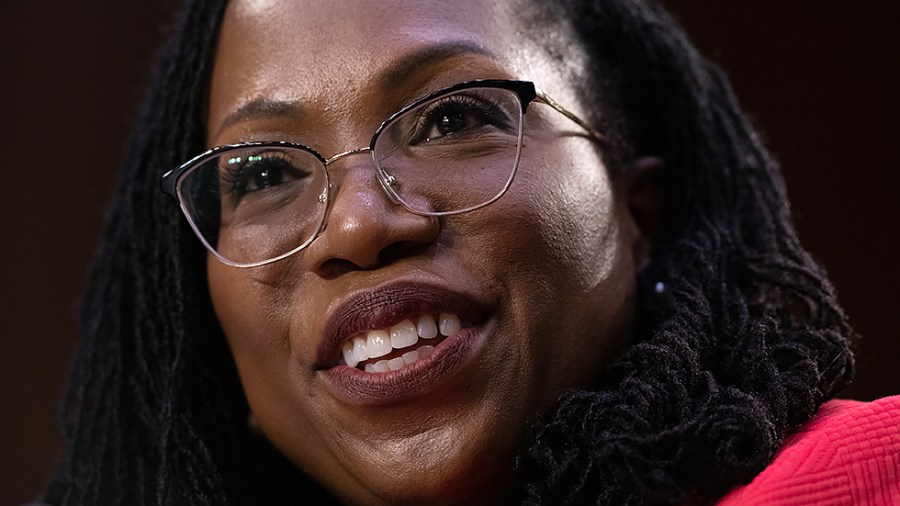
x=266, y=177
x=458, y=115
x=242, y=176
x=452, y=119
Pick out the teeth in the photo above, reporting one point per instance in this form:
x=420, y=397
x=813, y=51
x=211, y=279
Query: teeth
x=403, y=335
x=427, y=328
x=349, y=358
x=449, y=324
x=395, y=364
x=378, y=343
x=359, y=349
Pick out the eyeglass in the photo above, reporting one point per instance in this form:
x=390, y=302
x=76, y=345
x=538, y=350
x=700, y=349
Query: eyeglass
x=450, y=152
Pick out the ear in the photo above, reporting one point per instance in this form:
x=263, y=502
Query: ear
x=645, y=199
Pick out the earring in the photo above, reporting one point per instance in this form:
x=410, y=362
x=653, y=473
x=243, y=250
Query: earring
x=660, y=287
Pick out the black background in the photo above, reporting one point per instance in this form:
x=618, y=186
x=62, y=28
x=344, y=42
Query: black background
x=820, y=79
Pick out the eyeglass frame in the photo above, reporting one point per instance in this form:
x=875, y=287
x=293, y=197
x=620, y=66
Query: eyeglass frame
x=527, y=92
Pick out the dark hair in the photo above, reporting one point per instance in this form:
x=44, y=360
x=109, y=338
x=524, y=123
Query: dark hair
x=741, y=346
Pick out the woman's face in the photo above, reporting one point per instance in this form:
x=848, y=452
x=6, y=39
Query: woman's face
x=541, y=281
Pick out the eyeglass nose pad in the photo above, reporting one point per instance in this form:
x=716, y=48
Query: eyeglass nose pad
x=386, y=180
x=324, y=198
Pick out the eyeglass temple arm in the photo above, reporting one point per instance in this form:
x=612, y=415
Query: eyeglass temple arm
x=541, y=97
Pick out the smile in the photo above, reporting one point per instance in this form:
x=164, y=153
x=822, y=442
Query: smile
x=400, y=345
x=401, y=341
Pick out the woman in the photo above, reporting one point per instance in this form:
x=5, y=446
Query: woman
x=589, y=291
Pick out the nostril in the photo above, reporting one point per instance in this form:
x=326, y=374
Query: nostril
x=334, y=267
x=401, y=249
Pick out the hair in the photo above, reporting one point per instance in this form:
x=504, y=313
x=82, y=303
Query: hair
x=738, y=349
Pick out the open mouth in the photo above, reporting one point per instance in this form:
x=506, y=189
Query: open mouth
x=399, y=346
x=397, y=342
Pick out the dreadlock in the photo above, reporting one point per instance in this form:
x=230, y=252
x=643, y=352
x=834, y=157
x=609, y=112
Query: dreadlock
x=154, y=411
x=746, y=340
x=743, y=344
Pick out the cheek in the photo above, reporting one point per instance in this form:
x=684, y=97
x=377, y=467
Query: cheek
x=563, y=204
x=560, y=247
x=257, y=328
x=258, y=311
x=246, y=309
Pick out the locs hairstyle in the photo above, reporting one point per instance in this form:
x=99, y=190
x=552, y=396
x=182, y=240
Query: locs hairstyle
x=741, y=347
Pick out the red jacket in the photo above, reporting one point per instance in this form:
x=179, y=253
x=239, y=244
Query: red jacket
x=848, y=454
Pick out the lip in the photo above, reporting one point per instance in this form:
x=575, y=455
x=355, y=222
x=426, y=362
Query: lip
x=383, y=307
x=425, y=376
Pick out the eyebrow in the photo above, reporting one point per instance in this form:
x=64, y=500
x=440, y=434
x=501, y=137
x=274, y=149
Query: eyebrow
x=398, y=71
x=424, y=57
x=260, y=108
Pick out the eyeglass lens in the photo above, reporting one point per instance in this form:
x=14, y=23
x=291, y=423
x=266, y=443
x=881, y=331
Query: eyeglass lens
x=453, y=153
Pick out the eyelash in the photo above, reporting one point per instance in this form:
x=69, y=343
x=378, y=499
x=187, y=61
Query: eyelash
x=485, y=109
x=234, y=179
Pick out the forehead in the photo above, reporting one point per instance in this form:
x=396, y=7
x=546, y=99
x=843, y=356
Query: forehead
x=335, y=54
x=365, y=25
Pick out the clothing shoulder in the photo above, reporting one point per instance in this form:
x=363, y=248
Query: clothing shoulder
x=849, y=453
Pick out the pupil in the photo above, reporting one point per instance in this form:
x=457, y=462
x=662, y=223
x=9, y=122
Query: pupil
x=451, y=123
x=268, y=178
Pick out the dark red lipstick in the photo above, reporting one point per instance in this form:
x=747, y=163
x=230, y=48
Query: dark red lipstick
x=383, y=307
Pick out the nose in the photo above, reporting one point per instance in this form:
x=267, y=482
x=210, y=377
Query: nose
x=364, y=229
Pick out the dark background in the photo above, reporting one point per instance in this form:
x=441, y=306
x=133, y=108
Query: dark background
x=820, y=79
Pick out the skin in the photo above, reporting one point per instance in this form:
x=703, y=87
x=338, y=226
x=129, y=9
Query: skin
x=554, y=259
